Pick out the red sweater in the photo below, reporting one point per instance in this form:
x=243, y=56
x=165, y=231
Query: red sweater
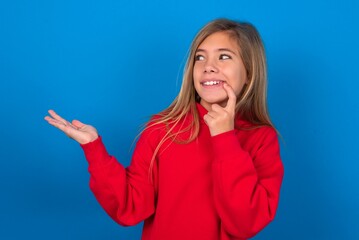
x=222, y=187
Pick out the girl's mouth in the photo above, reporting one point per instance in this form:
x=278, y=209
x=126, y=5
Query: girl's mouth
x=210, y=83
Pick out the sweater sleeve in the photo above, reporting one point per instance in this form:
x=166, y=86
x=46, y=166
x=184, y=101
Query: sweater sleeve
x=246, y=184
x=126, y=194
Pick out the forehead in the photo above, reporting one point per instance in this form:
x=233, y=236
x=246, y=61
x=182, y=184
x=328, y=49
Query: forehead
x=219, y=40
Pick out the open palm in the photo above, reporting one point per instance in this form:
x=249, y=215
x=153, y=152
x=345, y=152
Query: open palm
x=76, y=130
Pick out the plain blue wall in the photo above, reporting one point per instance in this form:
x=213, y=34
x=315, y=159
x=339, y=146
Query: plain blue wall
x=114, y=63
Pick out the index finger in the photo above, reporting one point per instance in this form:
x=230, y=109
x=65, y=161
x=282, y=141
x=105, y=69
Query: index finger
x=54, y=115
x=232, y=98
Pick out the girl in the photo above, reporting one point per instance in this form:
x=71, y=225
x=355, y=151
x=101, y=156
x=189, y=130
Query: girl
x=208, y=166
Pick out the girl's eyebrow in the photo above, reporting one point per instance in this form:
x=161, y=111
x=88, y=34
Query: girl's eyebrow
x=219, y=50
x=227, y=50
x=200, y=50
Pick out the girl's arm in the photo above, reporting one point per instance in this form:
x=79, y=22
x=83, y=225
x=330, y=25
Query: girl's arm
x=126, y=194
x=246, y=184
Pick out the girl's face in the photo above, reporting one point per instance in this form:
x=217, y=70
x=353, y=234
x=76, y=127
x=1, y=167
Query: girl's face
x=217, y=61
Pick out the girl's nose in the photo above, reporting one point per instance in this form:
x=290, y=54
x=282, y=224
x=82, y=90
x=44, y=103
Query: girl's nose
x=210, y=67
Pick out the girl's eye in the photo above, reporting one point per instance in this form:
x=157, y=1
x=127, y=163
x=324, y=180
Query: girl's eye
x=199, y=58
x=224, y=57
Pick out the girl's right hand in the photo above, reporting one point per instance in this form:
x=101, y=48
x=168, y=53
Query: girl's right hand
x=76, y=130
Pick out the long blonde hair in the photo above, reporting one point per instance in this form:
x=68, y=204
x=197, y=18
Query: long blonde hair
x=252, y=102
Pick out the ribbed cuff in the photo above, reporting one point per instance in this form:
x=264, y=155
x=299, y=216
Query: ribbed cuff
x=95, y=152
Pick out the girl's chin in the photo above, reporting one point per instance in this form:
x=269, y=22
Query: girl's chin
x=208, y=102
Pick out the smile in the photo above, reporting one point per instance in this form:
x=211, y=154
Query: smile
x=211, y=83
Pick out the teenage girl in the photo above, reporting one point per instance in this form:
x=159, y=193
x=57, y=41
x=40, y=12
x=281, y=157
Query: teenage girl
x=207, y=167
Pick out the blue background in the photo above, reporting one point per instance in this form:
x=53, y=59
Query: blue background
x=114, y=63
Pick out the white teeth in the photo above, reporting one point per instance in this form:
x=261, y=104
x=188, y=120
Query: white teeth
x=211, y=83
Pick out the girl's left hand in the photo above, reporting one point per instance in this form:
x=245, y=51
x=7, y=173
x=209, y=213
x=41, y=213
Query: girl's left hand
x=221, y=119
